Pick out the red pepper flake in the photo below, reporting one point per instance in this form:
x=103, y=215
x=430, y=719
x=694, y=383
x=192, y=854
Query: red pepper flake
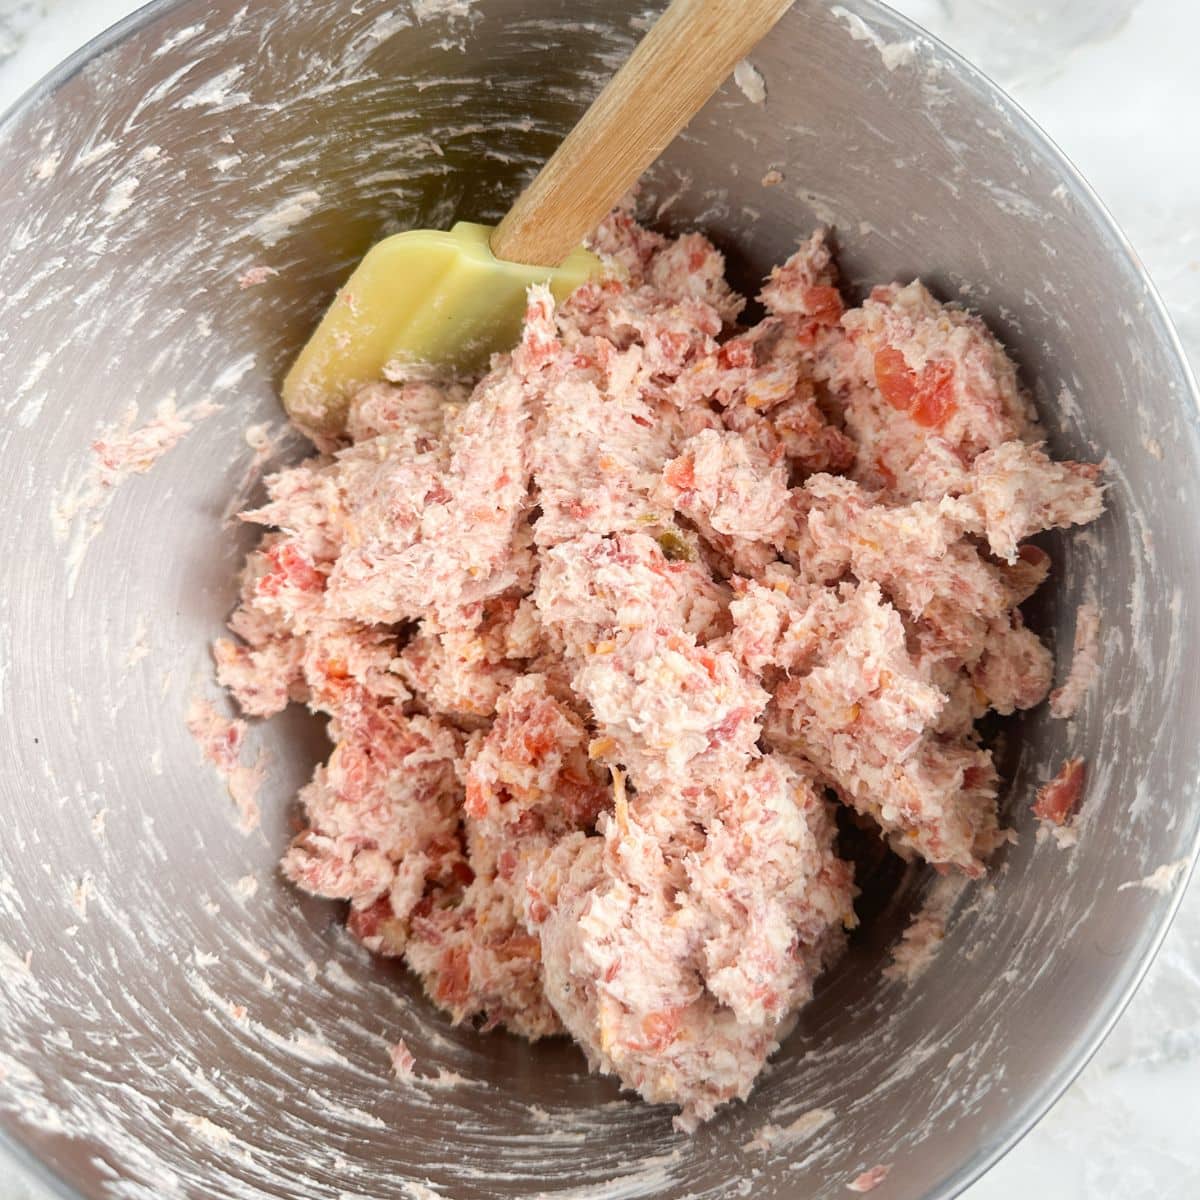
x=1059, y=798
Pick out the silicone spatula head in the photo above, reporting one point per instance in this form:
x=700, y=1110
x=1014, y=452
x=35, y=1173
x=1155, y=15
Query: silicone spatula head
x=418, y=297
x=451, y=299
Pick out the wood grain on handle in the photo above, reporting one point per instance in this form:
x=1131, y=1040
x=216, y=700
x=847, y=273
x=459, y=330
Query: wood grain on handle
x=678, y=65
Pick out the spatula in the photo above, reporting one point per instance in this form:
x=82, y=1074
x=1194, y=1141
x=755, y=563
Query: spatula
x=452, y=299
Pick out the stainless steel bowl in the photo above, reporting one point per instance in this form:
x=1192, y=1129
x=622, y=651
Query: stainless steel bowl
x=173, y=1021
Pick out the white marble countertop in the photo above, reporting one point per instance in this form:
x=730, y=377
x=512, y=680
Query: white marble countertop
x=1114, y=82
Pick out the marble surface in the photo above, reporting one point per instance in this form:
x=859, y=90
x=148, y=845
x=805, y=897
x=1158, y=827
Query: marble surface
x=1114, y=83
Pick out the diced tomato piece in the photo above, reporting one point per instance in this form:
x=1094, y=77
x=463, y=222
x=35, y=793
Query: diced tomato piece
x=674, y=344
x=519, y=946
x=454, y=977
x=365, y=923
x=475, y=801
x=885, y=472
x=823, y=305
x=680, y=473
x=896, y=381
x=661, y=1028
x=506, y=863
x=736, y=353
x=529, y=824
x=928, y=398
x=728, y=728
x=463, y=873
x=444, y=844
x=934, y=403
x=1059, y=798
x=974, y=776
x=335, y=668
x=582, y=801
x=538, y=740
x=330, y=682
x=537, y=907
x=292, y=568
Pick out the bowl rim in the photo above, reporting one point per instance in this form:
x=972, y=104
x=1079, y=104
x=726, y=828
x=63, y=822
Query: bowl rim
x=1104, y=1019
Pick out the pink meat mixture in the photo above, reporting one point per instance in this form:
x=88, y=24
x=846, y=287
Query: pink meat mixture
x=600, y=640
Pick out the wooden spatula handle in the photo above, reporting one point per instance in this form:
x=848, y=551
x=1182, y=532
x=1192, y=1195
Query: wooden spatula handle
x=676, y=68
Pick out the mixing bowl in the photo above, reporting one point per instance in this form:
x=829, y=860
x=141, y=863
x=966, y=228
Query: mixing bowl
x=179, y=202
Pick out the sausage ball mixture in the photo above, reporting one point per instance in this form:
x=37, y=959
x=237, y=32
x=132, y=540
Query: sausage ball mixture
x=604, y=641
